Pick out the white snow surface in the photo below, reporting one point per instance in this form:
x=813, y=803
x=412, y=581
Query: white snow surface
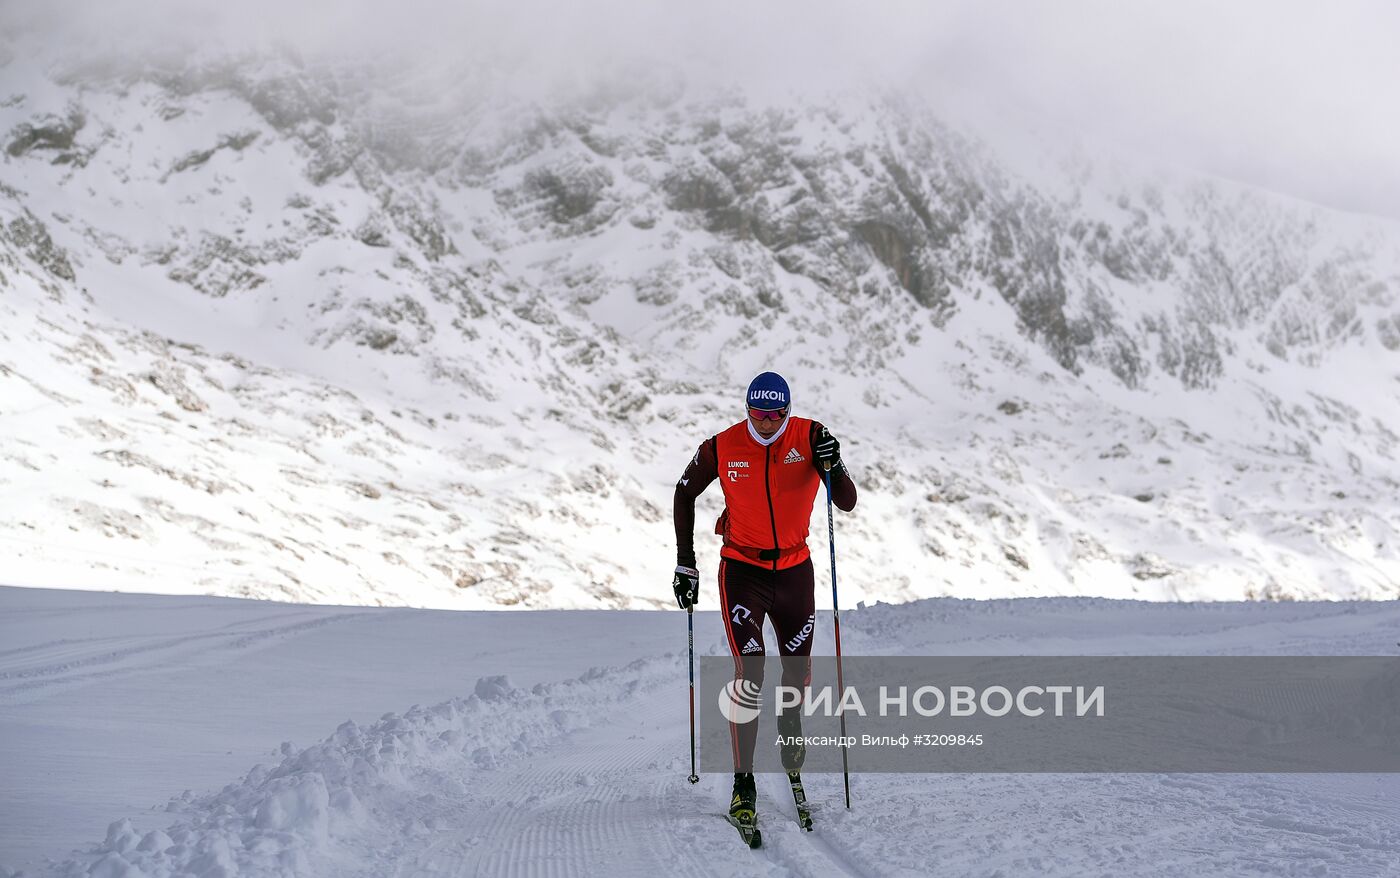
x=149, y=736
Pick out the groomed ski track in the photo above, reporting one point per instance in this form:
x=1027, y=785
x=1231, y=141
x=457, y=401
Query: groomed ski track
x=574, y=762
x=613, y=801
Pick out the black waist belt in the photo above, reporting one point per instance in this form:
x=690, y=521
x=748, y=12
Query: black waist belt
x=764, y=554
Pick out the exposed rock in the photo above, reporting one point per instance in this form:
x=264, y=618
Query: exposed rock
x=170, y=379
x=570, y=191
x=373, y=232
x=218, y=265
x=31, y=237
x=49, y=133
x=1146, y=565
x=234, y=142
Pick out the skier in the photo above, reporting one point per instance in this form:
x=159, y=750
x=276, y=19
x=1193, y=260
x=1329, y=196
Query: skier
x=770, y=466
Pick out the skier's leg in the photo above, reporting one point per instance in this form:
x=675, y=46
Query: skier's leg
x=794, y=618
x=744, y=600
x=794, y=621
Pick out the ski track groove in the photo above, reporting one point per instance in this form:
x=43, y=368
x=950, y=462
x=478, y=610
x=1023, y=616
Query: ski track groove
x=77, y=669
x=260, y=619
x=786, y=827
x=596, y=802
x=564, y=826
x=575, y=813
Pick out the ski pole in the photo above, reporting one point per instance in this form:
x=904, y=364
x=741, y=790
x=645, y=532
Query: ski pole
x=690, y=623
x=836, y=621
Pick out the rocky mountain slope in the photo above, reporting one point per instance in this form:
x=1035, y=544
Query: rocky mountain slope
x=284, y=330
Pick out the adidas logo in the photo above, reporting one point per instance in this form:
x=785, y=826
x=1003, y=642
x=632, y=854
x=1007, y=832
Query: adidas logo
x=793, y=456
x=752, y=646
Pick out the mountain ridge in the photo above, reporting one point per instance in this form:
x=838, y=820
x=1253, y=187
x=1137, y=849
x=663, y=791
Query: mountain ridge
x=554, y=304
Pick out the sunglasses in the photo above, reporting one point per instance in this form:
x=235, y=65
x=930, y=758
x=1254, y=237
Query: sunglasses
x=762, y=415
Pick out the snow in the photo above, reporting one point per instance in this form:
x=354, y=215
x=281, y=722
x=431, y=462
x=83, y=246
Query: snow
x=375, y=361
x=148, y=735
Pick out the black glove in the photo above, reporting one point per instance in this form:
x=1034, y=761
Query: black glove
x=827, y=451
x=686, y=585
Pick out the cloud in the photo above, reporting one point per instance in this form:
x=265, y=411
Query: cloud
x=1293, y=96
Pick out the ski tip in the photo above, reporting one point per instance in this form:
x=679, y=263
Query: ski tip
x=757, y=840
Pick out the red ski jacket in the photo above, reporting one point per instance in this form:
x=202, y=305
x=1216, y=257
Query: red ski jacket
x=768, y=494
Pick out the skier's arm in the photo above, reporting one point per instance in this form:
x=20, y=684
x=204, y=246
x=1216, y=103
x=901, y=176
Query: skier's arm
x=843, y=490
x=703, y=469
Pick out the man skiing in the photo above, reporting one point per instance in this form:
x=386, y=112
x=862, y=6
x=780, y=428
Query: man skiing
x=770, y=466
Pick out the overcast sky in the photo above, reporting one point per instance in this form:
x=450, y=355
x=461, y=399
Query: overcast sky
x=1299, y=97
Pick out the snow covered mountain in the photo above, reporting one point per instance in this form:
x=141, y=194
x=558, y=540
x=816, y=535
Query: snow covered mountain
x=275, y=329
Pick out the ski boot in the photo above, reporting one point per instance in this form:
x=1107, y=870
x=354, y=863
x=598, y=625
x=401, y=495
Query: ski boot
x=743, y=811
x=793, y=753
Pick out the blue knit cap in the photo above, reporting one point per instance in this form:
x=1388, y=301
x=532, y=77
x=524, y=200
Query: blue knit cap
x=769, y=392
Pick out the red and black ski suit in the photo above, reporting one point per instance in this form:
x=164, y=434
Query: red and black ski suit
x=765, y=568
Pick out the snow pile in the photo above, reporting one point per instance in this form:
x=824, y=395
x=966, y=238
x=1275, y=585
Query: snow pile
x=334, y=800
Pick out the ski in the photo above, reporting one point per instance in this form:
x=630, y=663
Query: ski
x=799, y=797
x=748, y=830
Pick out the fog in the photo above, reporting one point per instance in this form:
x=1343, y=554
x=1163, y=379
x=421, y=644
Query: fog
x=1293, y=96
